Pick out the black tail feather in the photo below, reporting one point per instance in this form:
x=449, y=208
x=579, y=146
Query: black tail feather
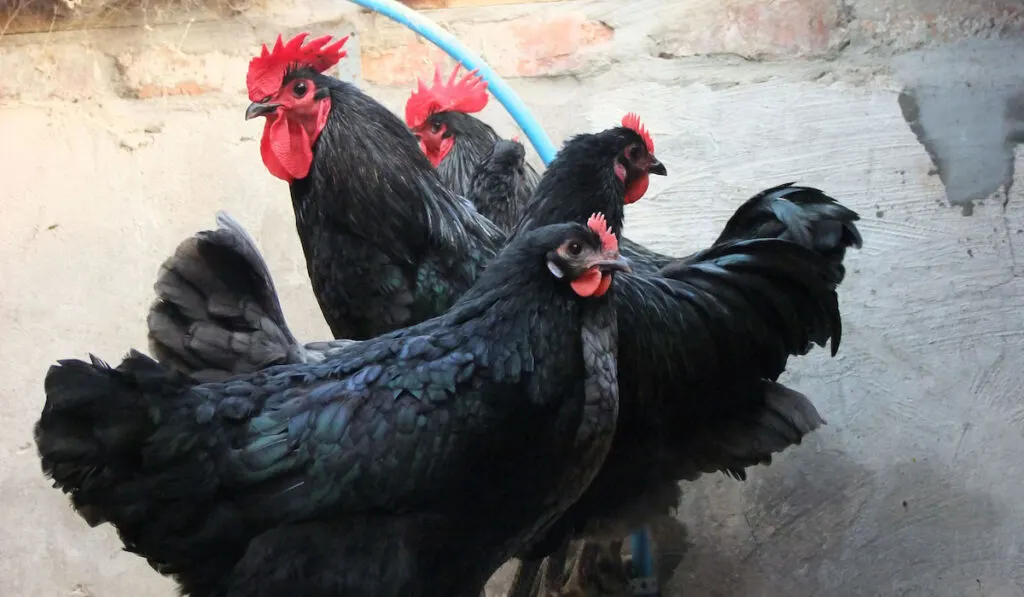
x=735, y=443
x=93, y=426
x=217, y=312
x=804, y=215
x=126, y=445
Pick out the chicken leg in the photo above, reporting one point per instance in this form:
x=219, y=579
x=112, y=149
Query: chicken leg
x=554, y=571
x=598, y=570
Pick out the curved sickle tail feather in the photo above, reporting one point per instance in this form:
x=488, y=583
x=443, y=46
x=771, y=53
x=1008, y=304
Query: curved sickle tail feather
x=750, y=306
x=217, y=312
x=804, y=215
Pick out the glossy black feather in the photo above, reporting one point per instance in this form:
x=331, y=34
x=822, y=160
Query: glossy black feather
x=580, y=180
x=512, y=392
x=496, y=183
x=387, y=244
x=690, y=316
x=803, y=215
x=474, y=140
x=217, y=312
x=704, y=338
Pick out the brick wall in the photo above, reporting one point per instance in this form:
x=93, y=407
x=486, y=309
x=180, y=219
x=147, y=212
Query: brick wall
x=124, y=140
x=547, y=39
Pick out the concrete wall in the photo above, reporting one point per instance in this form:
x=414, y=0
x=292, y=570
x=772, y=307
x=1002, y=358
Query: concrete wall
x=119, y=143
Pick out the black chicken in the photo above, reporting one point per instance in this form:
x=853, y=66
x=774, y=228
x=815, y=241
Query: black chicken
x=512, y=393
x=387, y=244
x=698, y=376
x=358, y=133
x=455, y=142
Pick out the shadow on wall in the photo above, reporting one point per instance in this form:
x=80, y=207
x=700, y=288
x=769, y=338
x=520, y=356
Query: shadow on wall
x=831, y=526
x=965, y=104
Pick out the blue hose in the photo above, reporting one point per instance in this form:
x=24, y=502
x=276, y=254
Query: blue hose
x=498, y=88
x=421, y=25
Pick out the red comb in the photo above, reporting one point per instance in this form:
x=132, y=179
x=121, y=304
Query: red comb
x=598, y=224
x=267, y=70
x=467, y=95
x=632, y=121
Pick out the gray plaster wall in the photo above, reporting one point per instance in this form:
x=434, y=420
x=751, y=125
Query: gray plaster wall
x=915, y=486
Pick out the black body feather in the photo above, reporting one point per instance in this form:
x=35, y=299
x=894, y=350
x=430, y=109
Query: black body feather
x=473, y=141
x=704, y=338
x=707, y=337
x=497, y=182
x=386, y=243
x=373, y=451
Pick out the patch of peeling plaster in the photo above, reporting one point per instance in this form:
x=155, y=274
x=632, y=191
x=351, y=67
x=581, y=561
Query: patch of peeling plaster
x=965, y=104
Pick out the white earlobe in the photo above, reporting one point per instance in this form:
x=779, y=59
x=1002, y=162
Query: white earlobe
x=555, y=270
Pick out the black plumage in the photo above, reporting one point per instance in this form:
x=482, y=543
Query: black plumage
x=703, y=338
x=473, y=140
x=701, y=311
x=497, y=182
x=802, y=215
x=387, y=244
x=352, y=476
x=217, y=313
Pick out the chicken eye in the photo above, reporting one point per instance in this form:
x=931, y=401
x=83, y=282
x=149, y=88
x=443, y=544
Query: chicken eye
x=435, y=127
x=300, y=89
x=575, y=248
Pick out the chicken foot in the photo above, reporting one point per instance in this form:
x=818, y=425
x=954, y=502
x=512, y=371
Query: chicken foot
x=554, y=572
x=529, y=581
x=525, y=579
x=597, y=571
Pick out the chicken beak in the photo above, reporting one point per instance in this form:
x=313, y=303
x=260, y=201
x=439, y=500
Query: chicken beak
x=613, y=262
x=656, y=167
x=260, y=109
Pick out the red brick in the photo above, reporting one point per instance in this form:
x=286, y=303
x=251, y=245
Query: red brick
x=425, y=4
x=521, y=47
x=752, y=28
x=150, y=91
x=398, y=63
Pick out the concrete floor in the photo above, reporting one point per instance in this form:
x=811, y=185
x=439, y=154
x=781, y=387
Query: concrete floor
x=914, y=487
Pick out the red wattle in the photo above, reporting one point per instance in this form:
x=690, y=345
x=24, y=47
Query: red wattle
x=437, y=151
x=434, y=157
x=636, y=190
x=286, y=148
x=588, y=283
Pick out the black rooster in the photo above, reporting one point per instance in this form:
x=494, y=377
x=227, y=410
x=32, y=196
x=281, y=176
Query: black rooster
x=373, y=451
x=358, y=133
x=387, y=244
x=456, y=142
x=698, y=377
